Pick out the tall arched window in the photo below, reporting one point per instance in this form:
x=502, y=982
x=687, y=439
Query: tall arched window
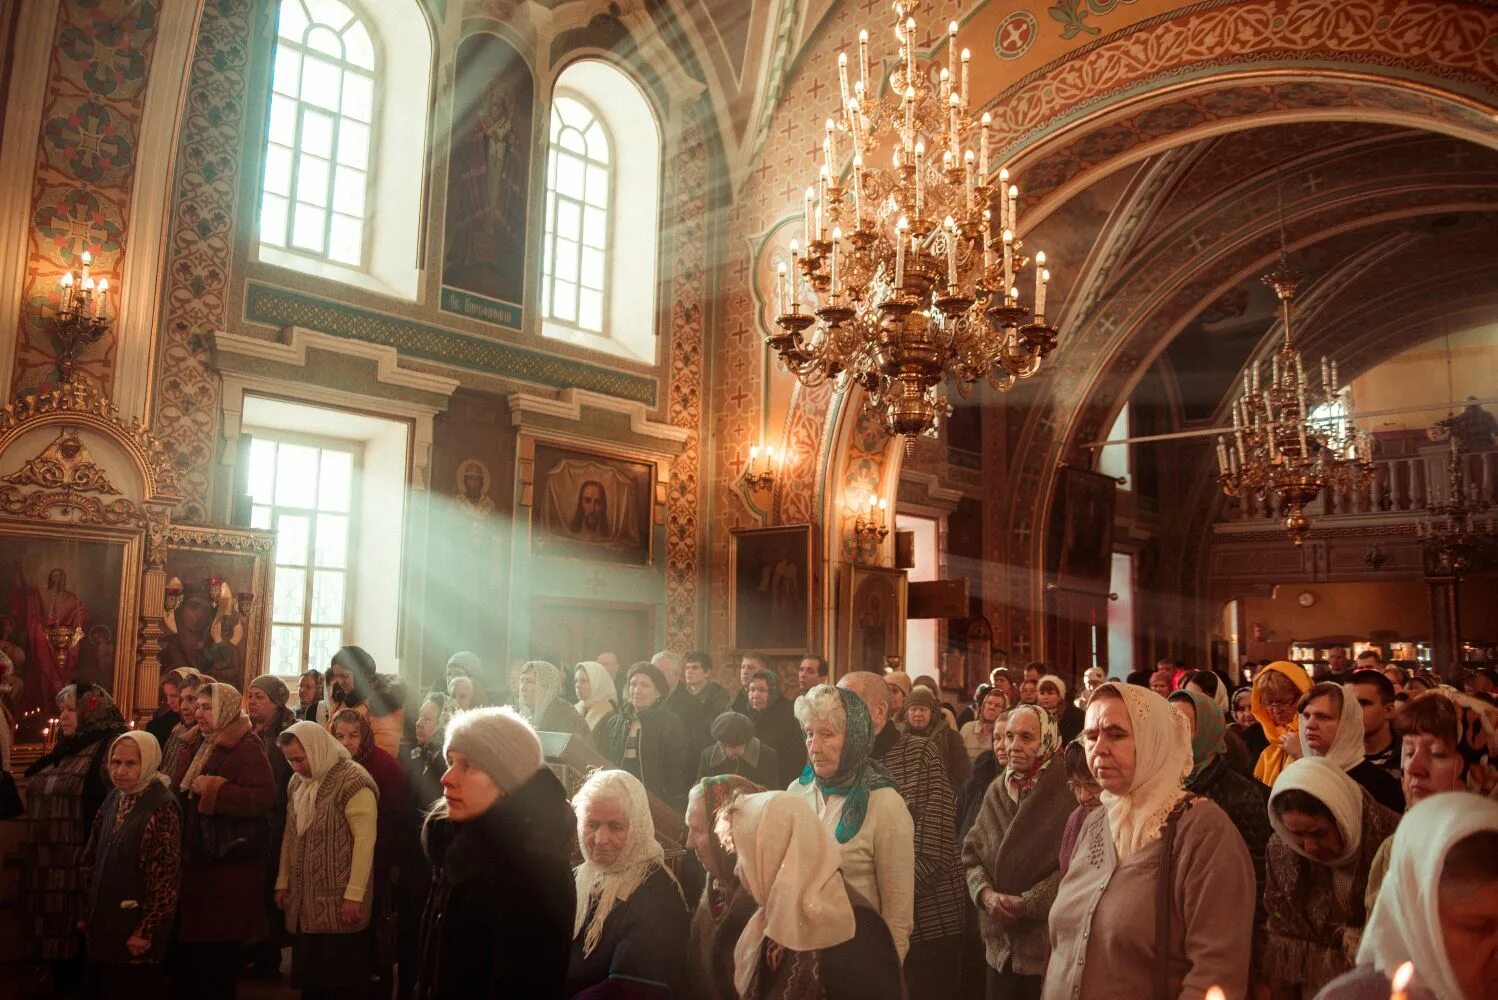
x=599, y=244
x=317, y=159
x=579, y=190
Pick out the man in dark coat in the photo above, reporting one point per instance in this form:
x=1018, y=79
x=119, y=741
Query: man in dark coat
x=736, y=750
x=697, y=700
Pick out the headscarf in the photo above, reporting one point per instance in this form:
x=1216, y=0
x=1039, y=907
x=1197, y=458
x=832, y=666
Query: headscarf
x=718, y=792
x=444, y=716
x=323, y=751
x=548, y=683
x=1016, y=784
x=1476, y=740
x=226, y=710
x=361, y=667
x=1209, y=740
x=608, y=886
x=274, y=687
x=899, y=679
x=601, y=690
x=462, y=680
x=1405, y=925
x=98, y=719
x=1329, y=785
x=316, y=675
x=1162, y=760
x=858, y=775
x=792, y=868
x=1346, y=750
x=1272, y=761
x=150, y=759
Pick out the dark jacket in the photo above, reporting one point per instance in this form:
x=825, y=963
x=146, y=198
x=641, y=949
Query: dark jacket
x=499, y=919
x=1386, y=791
x=866, y=967
x=1246, y=802
x=985, y=769
x=697, y=712
x=665, y=763
x=162, y=724
x=760, y=763
x=777, y=727
x=1071, y=721
x=643, y=943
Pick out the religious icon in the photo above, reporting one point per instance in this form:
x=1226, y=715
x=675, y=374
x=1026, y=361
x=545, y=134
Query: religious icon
x=592, y=506
x=771, y=572
x=1081, y=536
x=205, y=631
x=52, y=620
x=473, y=489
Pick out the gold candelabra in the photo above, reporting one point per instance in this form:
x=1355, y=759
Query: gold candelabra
x=870, y=524
x=912, y=280
x=82, y=313
x=1281, y=445
x=759, y=471
x=1453, y=529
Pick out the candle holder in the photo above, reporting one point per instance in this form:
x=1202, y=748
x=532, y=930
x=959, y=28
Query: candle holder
x=870, y=525
x=82, y=316
x=759, y=471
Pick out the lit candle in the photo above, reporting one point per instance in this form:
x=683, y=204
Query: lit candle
x=863, y=60
x=900, y=228
x=1045, y=279
x=1402, y=979
x=88, y=296
x=842, y=76
x=952, y=108
x=966, y=59
x=1008, y=255
x=883, y=506
x=795, y=260
x=951, y=227
x=103, y=297
x=65, y=291
x=855, y=114
x=1039, y=267
x=88, y=259
x=1216, y=993
x=985, y=121
x=945, y=83
x=1013, y=207
x=1014, y=295
x=952, y=49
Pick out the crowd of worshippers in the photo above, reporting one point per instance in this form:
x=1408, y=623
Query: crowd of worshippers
x=1159, y=836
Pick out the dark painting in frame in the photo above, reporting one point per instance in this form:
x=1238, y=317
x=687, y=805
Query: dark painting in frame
x=771, y=589
x=592, y=505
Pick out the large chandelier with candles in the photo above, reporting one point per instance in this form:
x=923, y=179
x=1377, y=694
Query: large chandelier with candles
x=1290, y=441
x=912, y=269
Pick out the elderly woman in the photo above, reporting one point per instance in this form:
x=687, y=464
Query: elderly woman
x=645, y=738
x=133, y=869
x=596, y=696
x=1085, y=791
x=230, y=790
x=856, y=799
x=187, y=713
x=462, y=691
x=309, y=695
x=725, y=906
x=500, y=915
x=736, y=750
x=323, y=883
x=925, y=720
x=812, y=934
x=1149, y=841
x=353, y=683
x=775, y=725
x=1242, y=723
x=1438, y=910
x=1276, y=693
x=631, y=920
x=1331, y=726
x=424, y=762
x=1050, y=694
x=977, y=735
x=537, y=687
x=1010, y=855
x=64, y=790
x=1326, y=831
x=169, y=713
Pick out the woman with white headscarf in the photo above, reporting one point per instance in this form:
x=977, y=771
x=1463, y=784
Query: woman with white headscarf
x=1437, y=907
x=1150, y=841
x=631, y=922
x=537, y=689
x=1326, y=832
x=133, y=869
x=327, y=856
x=812, y=936
x=1331, y=726
x=596, y=695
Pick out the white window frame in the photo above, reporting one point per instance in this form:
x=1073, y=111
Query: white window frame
x=610, y=214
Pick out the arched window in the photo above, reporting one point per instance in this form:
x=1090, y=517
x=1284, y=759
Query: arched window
x=345, y=145
x=317, y=158
x=601, y=222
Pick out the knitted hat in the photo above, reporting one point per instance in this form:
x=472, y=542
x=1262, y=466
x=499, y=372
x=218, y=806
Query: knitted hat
x=654, y=673
x=500, y=742
x=275, y=688
x=926, y=680
x=899, y=679
x=465, y=662
x=732, y=729
x=922, y=695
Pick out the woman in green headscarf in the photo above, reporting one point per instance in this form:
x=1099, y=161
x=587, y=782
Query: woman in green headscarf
x=856, y=799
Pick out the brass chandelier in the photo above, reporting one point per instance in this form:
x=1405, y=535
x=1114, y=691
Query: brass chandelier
x=1454, y=528
x=914, y=281
x=1281, y=446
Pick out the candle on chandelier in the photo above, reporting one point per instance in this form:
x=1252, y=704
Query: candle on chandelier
x=950, y=225
x=1274, y=370
x=1335, y=383
x=842, y=76
x=900, y=228
x=1013, y=207
x=1300, y=373
x=1014, y=295
x=1326, y=374
x=855, y=131
x=1004, y=221
x=823, y=179
x=1222, y=456
x=780, y=294
x=837, y=242
x=1042, y=279
x=88, y=297
x=967, y=58
x=1008, y=255
x=909, y=119
x=807, y=227
x=863, y=60
x=953, y=105
x=920, y=156
x=910, y=52
x=831, y=144
x=88, y=260
x=945, y=82
x=987, y=232
x=65, y=292
x=103, y=299
x=985, y=121
x=857, y=191
x=967, y=178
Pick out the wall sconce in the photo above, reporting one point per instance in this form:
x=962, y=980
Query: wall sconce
x=759, y=471
x=870, y=525
x=82, y=313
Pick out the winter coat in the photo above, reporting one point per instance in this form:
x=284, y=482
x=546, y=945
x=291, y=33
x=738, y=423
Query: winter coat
x=222, y=901
x=760, y=763
x=1247, y=804
x=985, y=769
x=954, y=758
x=697, y=712
x=665, y=763
x=643, y=943
x=498, y=922
x=777, y=727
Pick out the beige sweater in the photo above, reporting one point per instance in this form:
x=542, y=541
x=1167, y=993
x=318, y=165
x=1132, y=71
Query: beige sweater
x=879, y=861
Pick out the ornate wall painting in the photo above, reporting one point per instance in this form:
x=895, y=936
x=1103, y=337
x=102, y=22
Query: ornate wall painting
x=871, y=616
x=770, y=599
x=218, y=593
x=590, y=505
x=488, y=183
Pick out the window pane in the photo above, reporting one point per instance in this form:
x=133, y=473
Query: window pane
x=565, y=264
x=293, y=20
x=570, y=112
x=278, y=170
x=569, y=178
x=598, y=186
x=358, y=49
x=564, y=301
x=288, y=71
x=262, y=469
x=595, y=227
x=598, y=142
x=346, y=240
x=307, y=228
x=273, y=220
x=296, y=475
x=348, y=191
x=590, y=309
x=327, y=597
x=353, y=145
x=569, y=218
x=283, y=120
x=285, y=650
x=335, y=481
x=333, y=13
x=292, y=535
x=572, y=139
x=260, y=518
x=324, y=643
x=312, y=181
x=330, y=548
x=317, y=133
x=358, y=97
x=592, y=268
x=325, y=41
x=321, y=83
x=290, y=604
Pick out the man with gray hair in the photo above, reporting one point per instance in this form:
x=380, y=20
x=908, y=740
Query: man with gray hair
x=669, y=664
x=933, y=966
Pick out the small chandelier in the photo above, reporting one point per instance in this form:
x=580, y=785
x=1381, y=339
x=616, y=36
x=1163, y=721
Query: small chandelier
x=915, y=282
x=1453, y=530
x=82, y=315
x=1288, y=441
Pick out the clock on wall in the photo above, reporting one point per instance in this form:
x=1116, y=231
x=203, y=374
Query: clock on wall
x=1306, y=599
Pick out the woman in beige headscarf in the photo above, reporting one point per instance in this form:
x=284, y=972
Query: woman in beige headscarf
x=812, y=936
x=1107, y=937
x=596, y=696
